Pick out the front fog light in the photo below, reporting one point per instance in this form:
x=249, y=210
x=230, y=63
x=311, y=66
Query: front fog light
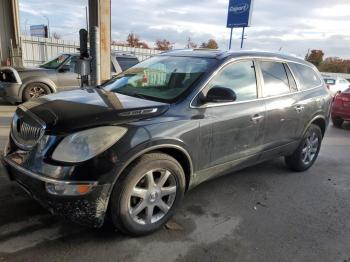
x=63, y=189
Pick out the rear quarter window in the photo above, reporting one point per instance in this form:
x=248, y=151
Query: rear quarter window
x=126, y=62
x=306, y=76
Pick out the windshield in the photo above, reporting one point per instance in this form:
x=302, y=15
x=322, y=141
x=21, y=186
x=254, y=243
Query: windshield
x=56, y=62
x=161, y=78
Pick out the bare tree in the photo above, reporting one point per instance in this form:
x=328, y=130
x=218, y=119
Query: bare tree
x=190, y=43
x=134, y=41
x=164, y=45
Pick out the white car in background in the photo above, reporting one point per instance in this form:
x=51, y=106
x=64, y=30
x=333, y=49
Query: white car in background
x=336, y=84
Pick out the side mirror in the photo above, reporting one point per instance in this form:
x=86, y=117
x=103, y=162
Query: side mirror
x=218, y=94
x=64, y=68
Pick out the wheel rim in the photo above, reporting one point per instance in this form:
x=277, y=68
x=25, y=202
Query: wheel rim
x=36, y=91
x=152, y=197
x=310, y=148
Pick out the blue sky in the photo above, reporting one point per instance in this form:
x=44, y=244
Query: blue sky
x=292, y=26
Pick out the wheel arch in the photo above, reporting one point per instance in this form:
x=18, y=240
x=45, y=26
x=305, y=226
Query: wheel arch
x=46, y=82
x=175, y=151
x=320, y=121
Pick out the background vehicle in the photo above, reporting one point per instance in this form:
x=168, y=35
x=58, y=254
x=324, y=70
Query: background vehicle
x=341, y=108
x=336, y=84
x=23, y=84
x=139, y=142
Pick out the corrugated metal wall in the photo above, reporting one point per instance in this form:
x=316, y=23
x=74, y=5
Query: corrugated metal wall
x=36, y=51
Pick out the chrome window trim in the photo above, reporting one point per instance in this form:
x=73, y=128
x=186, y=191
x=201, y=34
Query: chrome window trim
x=254, y=59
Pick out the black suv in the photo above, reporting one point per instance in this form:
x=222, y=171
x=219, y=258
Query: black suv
x=134, y=146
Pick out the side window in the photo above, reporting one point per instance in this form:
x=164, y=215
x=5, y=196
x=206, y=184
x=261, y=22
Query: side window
x=240, y=77
x=72, y=63
x=306, y=75
x=275, y=79
x=292, y=84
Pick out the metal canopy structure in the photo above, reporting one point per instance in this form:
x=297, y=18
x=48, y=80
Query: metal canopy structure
x=100, y=38
x=9, y=32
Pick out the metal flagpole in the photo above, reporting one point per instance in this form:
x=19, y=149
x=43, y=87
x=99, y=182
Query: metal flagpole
x=229, y=48
x=242, y=40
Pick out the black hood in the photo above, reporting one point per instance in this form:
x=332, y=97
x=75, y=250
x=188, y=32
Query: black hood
x=70, y=111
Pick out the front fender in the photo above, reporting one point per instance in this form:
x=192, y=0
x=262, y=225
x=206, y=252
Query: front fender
x=149, y=146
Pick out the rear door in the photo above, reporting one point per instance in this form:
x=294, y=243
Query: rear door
x=283, y=110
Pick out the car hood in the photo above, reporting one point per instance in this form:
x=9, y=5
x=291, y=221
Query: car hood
x=75, y=110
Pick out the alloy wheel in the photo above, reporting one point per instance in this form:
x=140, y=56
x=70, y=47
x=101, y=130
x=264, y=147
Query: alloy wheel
x=310, y=148
x=152, y=197
x=36, y=91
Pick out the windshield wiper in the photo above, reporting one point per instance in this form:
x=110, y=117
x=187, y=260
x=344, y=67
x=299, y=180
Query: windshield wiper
x=138, y=95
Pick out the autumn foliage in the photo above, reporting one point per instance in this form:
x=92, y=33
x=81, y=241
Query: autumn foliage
x=164, y=45
x=330, y=64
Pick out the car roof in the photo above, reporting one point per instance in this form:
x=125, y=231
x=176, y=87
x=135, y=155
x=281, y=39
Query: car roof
x=114, y=53
x=223, y=55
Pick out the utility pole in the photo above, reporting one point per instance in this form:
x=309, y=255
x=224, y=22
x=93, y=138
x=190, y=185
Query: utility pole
x=100, y=24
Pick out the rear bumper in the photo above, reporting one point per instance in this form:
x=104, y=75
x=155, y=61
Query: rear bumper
x=88, y=210
x=341, y=113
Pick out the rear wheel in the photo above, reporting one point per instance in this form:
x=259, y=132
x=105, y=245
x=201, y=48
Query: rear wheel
x=35, y=90
x=307, y=152
x=147, y=194
x=337, y=122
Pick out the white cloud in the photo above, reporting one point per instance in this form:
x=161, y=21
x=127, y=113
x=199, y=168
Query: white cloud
x=294, y=25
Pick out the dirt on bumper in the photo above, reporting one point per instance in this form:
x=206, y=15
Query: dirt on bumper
x=88, y=210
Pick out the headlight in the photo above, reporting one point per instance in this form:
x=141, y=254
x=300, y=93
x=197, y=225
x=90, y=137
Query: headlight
x=86, y=144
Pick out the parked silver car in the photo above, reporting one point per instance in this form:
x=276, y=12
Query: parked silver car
x=336, y=84
x=22, y=84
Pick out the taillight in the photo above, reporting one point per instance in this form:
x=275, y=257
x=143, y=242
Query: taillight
x=338, y=100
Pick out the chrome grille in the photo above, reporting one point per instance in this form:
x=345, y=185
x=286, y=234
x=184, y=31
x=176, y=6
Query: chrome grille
x=26, y=131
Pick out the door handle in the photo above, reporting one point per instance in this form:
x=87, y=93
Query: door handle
x=257, y=118
x=299, y=108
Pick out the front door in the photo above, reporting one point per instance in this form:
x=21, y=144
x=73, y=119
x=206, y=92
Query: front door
x=67, y=78
x=232, y=133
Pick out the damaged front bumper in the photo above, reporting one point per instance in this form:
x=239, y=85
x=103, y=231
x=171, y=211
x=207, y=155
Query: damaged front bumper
x=86, y=206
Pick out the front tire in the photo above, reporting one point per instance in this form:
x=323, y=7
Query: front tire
x=147, y=194
x=35, y=90
x=307, y=152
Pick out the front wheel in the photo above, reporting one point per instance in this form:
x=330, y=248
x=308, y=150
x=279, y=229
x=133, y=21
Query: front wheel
x=307, y=152
x=35, y=90
x=147, y=194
